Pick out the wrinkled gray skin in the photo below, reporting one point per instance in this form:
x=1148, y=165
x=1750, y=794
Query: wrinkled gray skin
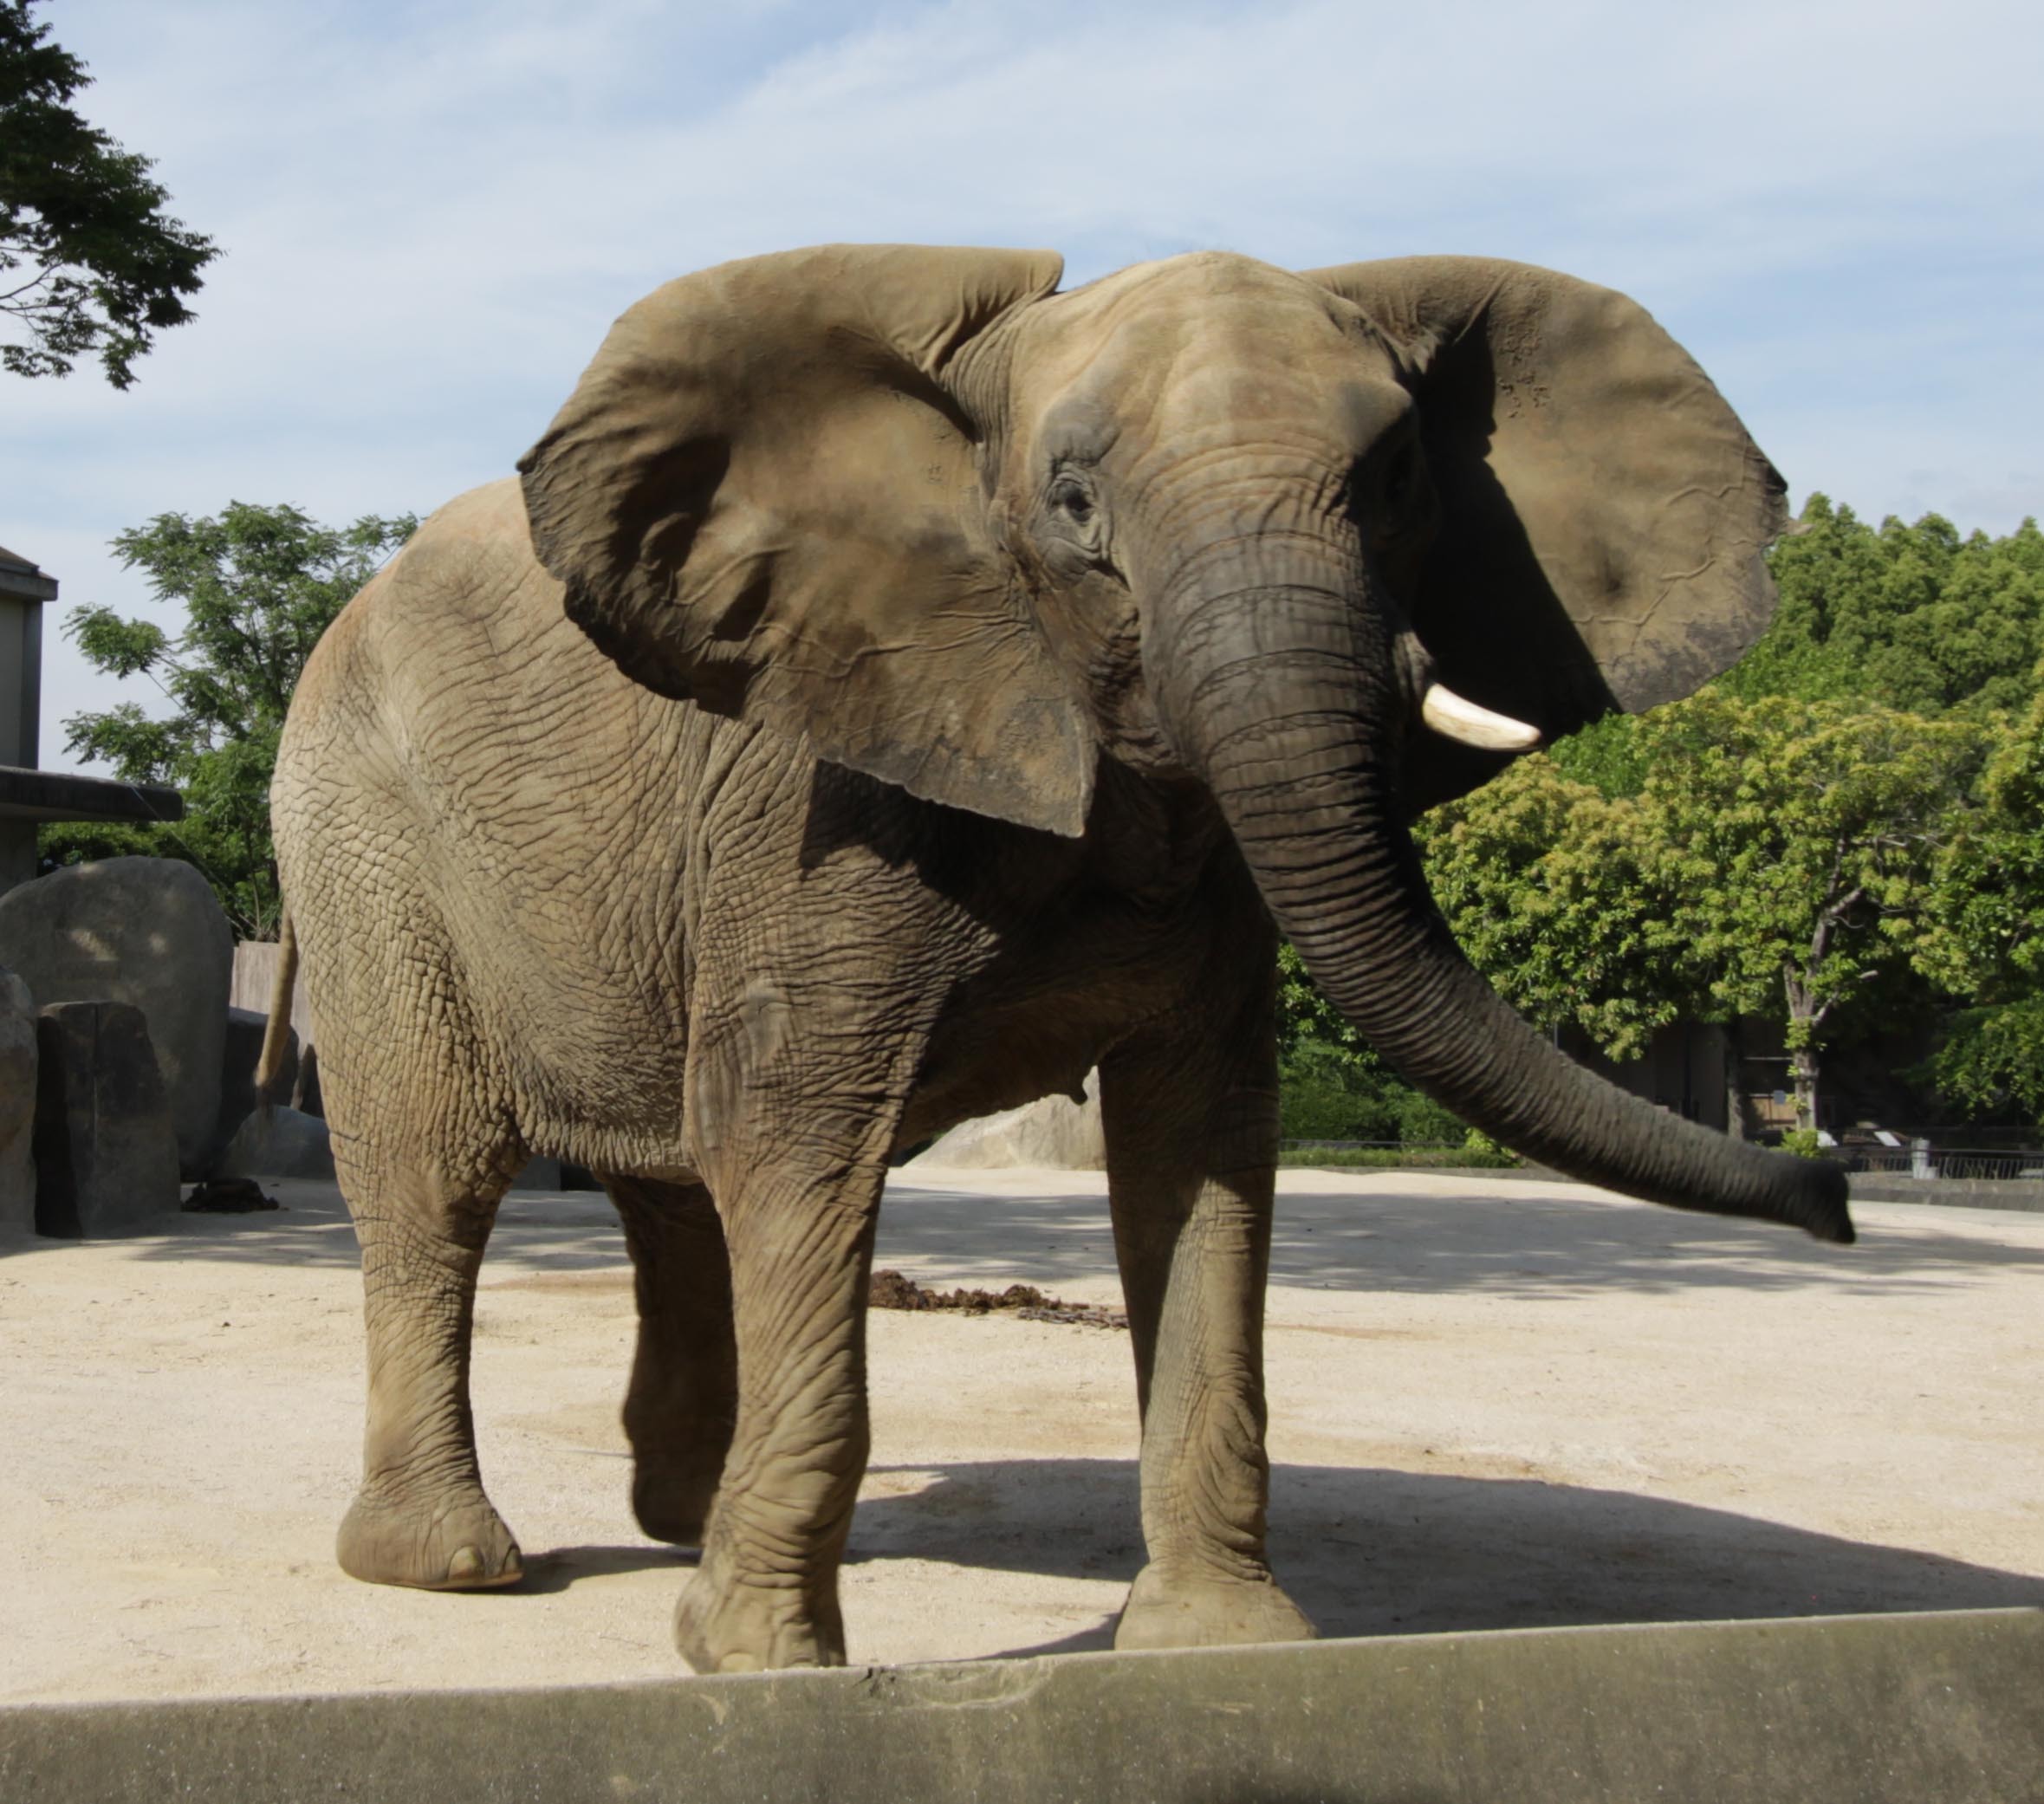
x=928, y=686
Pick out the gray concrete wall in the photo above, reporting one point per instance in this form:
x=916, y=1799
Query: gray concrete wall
x=254, y=971
x=1875, y=1710
x=2027, y=1194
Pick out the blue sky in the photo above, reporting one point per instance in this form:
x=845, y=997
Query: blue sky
x=430, y=211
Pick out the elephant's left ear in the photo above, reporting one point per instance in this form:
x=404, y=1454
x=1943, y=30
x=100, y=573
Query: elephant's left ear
x=763, y=497
x=1603, y=513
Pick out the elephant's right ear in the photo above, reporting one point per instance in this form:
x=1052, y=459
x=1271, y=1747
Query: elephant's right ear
x=763, y=497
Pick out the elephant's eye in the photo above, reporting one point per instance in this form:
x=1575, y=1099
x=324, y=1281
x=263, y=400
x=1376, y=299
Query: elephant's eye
x=1399, y=476
x=1072, y=499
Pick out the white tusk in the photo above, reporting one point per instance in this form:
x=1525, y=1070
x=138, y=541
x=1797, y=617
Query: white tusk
x=1449, y=715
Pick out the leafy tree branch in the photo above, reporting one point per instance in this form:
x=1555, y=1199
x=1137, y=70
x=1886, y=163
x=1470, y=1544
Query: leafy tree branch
x=256, y=586
x=105, y=268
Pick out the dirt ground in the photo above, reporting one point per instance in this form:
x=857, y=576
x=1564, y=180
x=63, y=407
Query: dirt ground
x=1493, y=1404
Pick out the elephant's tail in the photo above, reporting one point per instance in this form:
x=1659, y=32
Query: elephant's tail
x=277, y=1037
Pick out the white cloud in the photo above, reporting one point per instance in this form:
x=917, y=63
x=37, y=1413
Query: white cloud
x=431, y=212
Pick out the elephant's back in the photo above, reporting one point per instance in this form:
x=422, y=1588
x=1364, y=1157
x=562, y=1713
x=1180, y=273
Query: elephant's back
x=463, y=619
x=455, y=682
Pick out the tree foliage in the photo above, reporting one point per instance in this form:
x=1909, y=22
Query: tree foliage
x=1913, y=617
x=1986, y=938
x=1331, y=1085
x=1799, y=844
x=88, y=259
x=257, y=587
x=1845, y=830
x=1557, y=892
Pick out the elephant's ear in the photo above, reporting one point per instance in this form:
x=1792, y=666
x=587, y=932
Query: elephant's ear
x=762, y=496
x=1603, y=515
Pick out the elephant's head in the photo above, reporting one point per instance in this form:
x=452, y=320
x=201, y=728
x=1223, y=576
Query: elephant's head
x=1333, y=545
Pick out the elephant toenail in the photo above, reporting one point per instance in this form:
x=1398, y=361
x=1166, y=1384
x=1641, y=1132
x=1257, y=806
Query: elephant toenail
x=466, y=1564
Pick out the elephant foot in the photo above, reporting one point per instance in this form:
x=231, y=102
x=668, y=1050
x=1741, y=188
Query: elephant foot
x=448, y=1544
x=672, y=1505
x=722, y=1627
x=1184, y=1608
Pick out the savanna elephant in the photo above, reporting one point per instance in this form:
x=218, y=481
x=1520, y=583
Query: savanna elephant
x=898, y=686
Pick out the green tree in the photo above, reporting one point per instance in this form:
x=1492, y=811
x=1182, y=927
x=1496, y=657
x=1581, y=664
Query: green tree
x=1558, y=894
x=1909, y=617
x=1987, y=942
x=105, y=268
x=1799, y=845
x=1605, y=755
x=1331, y=1085
x=258, y=586
x=1779, y=859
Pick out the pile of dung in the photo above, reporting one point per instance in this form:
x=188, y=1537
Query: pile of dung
x=891, y=1290
x=228, y=1196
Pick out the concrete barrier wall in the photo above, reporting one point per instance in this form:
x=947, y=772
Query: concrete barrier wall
x=2021, y=1193
x=1947, y=1708
x=255, y=973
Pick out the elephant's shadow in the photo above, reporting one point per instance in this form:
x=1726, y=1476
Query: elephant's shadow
x=1375, y=1551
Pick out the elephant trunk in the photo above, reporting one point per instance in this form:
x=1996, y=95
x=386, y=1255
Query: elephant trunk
x=1283, y=682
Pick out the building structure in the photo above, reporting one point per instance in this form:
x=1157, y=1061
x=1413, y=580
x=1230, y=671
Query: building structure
x=28, y=795
x=1738, y=1079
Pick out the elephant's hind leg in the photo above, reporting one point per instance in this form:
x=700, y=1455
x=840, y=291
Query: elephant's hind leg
x=684, y=1400
x=421, y=1517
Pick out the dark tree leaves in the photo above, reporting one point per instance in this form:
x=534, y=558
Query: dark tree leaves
x=88, y=259
x=1914, y=617
x=257, y=586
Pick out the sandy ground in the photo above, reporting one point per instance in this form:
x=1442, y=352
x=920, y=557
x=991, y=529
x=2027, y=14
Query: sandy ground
x=1493, y=1404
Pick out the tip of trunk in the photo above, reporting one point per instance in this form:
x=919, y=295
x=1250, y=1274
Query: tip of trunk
x=1818, y=1204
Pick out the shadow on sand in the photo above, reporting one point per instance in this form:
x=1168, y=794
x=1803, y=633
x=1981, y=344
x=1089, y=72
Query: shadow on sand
x=1503, y=1239
x=1383, y=1238
x=1369, y=1551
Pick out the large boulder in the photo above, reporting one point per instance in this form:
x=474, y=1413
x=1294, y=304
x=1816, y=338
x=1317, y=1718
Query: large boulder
x=279, y=1142
x=1055, y=1131
x=105, y=1157
x=243, y=1049
x=17, y=1105
x=142, y=931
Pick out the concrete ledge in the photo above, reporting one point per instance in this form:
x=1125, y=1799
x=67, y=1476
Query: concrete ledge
x=2022, y=1193
x=1867, y=1709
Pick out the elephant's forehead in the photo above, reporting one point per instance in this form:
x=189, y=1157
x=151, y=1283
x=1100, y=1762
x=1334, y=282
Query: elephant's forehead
x=1203, y=305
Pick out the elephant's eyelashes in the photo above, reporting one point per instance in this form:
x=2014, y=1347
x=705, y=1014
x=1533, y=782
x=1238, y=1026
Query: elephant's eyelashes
x=1072, y=500
x=1400, y=476
x=1075, y=522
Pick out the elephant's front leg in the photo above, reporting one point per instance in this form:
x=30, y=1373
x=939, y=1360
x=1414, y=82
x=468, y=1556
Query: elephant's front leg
x=800, y=1246
x=1191, y=1129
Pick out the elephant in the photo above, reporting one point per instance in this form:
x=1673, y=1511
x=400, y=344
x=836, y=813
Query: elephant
x=894, y=686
